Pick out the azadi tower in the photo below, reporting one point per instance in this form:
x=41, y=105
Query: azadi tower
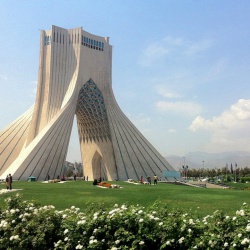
x=75, y=78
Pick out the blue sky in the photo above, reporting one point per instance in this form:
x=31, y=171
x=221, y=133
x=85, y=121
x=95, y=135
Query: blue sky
x=181, y=69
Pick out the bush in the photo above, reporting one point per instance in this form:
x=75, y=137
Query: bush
x=25, y=225
x=245, y=179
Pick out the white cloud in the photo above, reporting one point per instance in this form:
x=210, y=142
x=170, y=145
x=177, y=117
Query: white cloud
x=178, y=48
x=163, y=91
x=198, y=47
x=230, y=130
x=187, y=108
x=158, y=50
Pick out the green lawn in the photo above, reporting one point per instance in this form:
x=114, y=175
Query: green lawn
x=83, y=194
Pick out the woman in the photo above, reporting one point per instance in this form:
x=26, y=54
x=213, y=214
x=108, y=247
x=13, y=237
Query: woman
x=7, y=181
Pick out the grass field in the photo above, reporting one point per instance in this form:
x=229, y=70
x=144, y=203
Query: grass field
x=83, y=194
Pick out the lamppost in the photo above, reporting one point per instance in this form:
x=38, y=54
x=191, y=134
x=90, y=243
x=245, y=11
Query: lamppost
x=184, y=167
x=203, y=167
x=226, y=172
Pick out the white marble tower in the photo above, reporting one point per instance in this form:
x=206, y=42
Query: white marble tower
x=75, y=78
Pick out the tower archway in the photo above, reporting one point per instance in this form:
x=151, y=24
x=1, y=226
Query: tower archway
x=97, y=166
x=94, y=133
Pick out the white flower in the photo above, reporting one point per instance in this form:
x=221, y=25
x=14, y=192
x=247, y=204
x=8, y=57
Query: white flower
x=189, y=230
x=92, y=240
x=248, y=227
x=161, y=223
x=151, y=217
x=240, y=212
x=117, y=242
x=239, y=235
x=234, y=218
x=13, y=221
x=141, y=220
x=140, y=211
x=113, y=248
x=58, y=243
x=123, y=207
x=181, y=240
x=66, y=239
x=168, y=243
x=81, y=222
x=245, y=241
x=12, y=211
x=73, y=207
x=116, y=205
x=227, y=217
x=191, y=221
x=79, y=246
x=66, y=231
x=244, y=204
x=64, y=216
x=225, y=244
x=141, y=242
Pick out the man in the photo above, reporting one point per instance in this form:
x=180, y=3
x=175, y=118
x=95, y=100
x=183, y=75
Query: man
x=155, y=180
x=10, y=181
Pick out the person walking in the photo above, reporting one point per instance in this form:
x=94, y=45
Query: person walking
x=10, y=181
x=7, y=182
x=155, y=180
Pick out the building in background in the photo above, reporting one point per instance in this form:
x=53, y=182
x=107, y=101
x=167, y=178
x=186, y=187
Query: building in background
x=75, y=78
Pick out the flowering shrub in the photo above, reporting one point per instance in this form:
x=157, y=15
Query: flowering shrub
x=25, y=225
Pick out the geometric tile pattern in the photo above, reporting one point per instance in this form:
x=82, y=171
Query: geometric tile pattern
x=91, y=114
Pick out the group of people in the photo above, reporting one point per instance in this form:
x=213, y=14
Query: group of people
x=8, y=182
x=149, y=179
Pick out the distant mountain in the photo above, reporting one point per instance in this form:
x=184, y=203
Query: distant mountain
x=211, y=160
